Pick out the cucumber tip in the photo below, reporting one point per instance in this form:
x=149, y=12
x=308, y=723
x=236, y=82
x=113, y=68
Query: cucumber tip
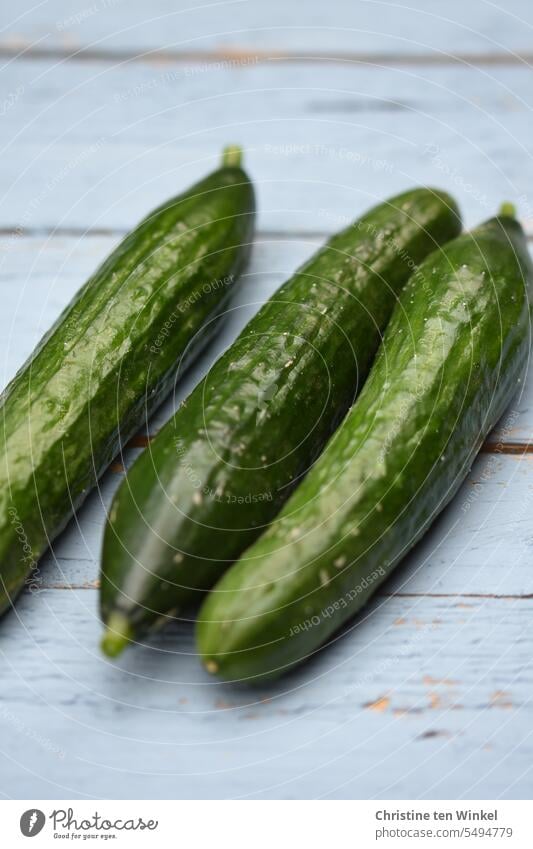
x=232, y=156
x=508, y=209
x=117, y=635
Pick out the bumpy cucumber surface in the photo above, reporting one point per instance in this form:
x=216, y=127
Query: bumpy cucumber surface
x=222, y=467
x=453, y=354
x=111, y=357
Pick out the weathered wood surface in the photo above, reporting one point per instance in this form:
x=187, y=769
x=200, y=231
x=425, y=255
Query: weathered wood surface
x=422, y=698
x=428, y=694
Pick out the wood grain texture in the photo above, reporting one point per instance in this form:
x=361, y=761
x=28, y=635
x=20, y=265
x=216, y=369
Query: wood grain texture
x=108, y=107
x=420, y=698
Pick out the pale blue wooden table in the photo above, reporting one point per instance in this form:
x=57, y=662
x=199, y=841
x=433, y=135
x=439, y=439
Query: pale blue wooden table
x=106, y=109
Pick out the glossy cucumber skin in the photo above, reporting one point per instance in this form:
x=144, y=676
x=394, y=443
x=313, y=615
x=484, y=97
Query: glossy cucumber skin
x=222, y=467
x=453, y=353
x=110, y=359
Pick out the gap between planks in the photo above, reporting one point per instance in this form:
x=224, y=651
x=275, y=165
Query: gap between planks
x=95, y=585
x=142, y=440
x=117, y=232
x=245, y=57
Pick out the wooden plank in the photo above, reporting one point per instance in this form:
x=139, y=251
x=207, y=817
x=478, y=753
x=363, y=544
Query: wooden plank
x=354, y=26
x=102, y=150
x=418, y=700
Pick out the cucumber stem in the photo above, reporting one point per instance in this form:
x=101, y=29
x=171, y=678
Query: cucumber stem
x=117, y=635
x=232, y=156
x=508, y=209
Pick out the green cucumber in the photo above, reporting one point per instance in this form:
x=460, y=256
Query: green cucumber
x=453, y=354
x=222, y=467
x=111, y=357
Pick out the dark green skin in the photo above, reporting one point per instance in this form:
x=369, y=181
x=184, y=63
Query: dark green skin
x=110, y=359
x=452, y=356
x=223, y=466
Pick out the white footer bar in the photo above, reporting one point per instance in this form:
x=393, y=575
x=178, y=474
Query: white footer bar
x=267, y=824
